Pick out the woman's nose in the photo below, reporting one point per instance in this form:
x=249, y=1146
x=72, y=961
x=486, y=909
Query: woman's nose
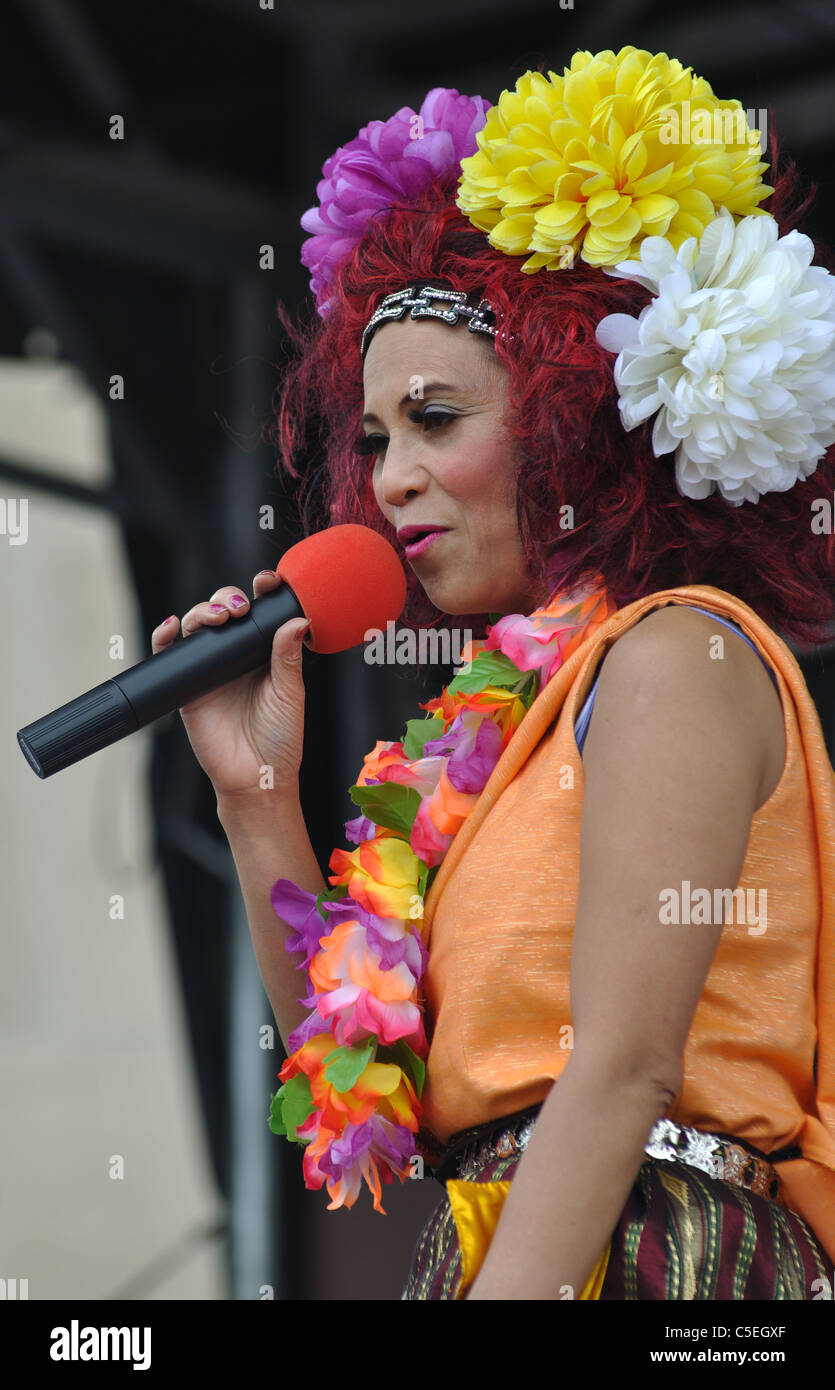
x=403, y=476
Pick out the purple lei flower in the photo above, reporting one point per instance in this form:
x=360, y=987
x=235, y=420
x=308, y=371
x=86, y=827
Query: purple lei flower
x=392, y=1143
x=473, y=742
x=388, y=162
x=360, y=829
x=391, y=940
x=313, y=1024
x=298, y=909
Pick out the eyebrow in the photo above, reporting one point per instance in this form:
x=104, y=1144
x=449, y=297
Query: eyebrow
x=435, y=388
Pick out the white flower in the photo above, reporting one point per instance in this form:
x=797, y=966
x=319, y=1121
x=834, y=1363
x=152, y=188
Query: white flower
x=735, y=356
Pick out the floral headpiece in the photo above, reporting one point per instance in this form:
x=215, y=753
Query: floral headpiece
x=629, y=162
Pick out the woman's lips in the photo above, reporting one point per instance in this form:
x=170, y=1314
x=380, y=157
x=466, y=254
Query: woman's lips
x=418, y=539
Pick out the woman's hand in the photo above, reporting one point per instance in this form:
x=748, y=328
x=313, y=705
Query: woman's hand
x=256, y=720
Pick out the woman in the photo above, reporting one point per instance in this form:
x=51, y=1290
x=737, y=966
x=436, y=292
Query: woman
x=654, y=1079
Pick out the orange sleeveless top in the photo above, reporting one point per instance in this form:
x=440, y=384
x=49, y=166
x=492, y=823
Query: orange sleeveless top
x=499, y=920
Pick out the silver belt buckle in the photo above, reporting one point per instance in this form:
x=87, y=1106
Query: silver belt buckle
x=673, y=1142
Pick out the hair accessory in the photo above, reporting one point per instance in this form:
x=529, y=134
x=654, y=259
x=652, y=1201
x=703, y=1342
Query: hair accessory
x=387, y=162
x=735, y=357
x=629, y=161
x=420, y=301
x=593, y=161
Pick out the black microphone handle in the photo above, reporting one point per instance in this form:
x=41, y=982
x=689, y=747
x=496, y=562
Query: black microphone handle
x=164, y=682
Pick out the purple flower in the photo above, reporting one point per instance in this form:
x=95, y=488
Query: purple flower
x=298, y=909
x=392, y=1143
x=391, y=939
x=376, y=1151
x=360, y=829
x=473, y=743
x=313, y=1024
x=389, y=161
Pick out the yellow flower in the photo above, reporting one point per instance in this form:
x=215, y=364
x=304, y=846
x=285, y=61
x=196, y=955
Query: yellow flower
x=621, y=147
x=381, y=875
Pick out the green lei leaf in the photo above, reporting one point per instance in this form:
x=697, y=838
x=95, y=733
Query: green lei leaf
x=418, y=732
x=389, y=804
x=423, y=875
x=291, y=1106
x=409, y=1062
x=489, y=668
x=527, y=690
x=345, y=1065
x=276, y=1121
x=328, y=896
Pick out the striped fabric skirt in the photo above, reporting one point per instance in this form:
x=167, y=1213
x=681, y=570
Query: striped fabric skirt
x=683, y=1233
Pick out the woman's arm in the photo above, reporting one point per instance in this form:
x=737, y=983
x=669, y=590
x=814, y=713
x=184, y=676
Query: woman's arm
x=673, y=765
x=269, y=840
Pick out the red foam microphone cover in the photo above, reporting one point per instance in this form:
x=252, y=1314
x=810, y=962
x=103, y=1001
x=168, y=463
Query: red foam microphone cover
x=347, y=579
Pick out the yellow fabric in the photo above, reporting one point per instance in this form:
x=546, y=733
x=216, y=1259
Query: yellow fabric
x=499, y=921
x=476, y=1208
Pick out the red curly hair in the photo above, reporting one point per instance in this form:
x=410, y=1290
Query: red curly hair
x=631, y=525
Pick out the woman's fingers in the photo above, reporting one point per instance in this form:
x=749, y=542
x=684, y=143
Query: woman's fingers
x=216, y=610
x=164, y=633
x=264, y=582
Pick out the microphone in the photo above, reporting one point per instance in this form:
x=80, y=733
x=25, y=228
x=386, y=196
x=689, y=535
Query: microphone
x=345, y=579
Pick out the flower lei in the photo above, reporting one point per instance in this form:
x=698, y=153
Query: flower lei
x=353, y=1080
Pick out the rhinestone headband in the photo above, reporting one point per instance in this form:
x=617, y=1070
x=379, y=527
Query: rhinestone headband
x=481, y=319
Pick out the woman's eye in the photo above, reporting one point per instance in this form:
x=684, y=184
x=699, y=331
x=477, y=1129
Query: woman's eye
x=374, y=444
x=370, y=443
x=431, y=419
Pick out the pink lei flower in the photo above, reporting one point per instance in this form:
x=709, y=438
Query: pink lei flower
x=546, y=639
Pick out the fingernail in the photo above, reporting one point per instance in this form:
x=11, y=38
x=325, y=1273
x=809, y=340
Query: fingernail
x=270, y=572
x=303, y=631
x=237, y=601
x=216, y=608
x=171, y=619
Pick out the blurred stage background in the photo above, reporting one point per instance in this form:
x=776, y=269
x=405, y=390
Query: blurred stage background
x=138, y=1035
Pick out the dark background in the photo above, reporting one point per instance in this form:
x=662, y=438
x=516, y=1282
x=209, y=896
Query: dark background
x=140, y=256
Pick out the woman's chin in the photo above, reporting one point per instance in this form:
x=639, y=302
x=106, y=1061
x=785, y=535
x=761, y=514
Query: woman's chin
x=462, y=605
x=459, y=589
x=458, y=596
x=452, y=599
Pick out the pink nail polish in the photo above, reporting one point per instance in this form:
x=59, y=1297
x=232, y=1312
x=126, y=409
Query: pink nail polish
x=216, y=608
x=237, y=602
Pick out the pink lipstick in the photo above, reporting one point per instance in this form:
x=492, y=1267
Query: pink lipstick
x=416, y=539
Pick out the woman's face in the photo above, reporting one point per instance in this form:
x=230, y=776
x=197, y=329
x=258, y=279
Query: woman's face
x=436, y=401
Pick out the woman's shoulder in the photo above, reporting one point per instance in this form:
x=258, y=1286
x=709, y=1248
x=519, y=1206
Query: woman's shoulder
x=686, y=636
x=693, y=635
x=679, y=656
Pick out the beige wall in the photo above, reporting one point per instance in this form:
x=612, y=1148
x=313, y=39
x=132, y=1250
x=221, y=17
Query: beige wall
x=94, y=1058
